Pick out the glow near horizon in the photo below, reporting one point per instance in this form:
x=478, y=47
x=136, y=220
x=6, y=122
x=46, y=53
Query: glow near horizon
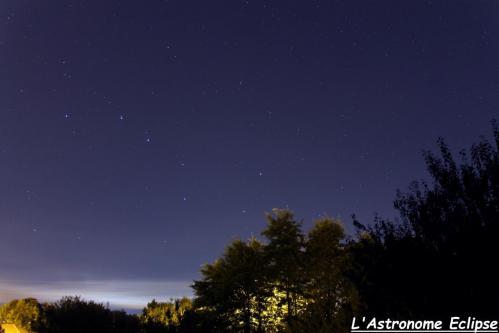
x=126, y=294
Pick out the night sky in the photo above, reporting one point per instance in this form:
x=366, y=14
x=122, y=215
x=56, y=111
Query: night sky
x=137, y=138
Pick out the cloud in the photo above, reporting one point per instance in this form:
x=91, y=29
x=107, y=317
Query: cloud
x=126, y=294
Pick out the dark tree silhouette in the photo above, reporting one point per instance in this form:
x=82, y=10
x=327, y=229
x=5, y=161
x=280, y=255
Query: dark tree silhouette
x=441, y=259
x=330, y=296
x=73, y=314
x=285, y=257
x=233, y=289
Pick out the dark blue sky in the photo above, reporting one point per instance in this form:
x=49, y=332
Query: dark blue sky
x=137, y=138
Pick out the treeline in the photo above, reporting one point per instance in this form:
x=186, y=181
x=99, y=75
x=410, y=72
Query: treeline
x=75, y=315
x=439, y=259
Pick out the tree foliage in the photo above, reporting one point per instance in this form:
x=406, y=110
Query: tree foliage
x=25, y=312
x=438, y=260
x=164, y=316
x=73, y=314
x=234, y=289
x=331, y=296
x=285, y=258
x=288, y=283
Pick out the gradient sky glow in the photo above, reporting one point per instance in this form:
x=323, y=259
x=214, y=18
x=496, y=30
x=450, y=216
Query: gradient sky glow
x=138, y=138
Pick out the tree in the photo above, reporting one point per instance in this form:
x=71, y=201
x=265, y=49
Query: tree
x=382, y=260
x=73, y=314
x=164, y=316
x=330, y=295
x=285, y=255
x=26, y=313
x=438, y=260
x=123, y=322
x=233, y=288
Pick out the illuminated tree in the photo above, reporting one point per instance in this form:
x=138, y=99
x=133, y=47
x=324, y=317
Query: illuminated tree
x=285, y=257
x=234, y=289
x=27, y=313
x=164, y=316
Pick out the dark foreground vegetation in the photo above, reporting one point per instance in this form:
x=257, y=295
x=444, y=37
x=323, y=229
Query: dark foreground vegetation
x=438, y=260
